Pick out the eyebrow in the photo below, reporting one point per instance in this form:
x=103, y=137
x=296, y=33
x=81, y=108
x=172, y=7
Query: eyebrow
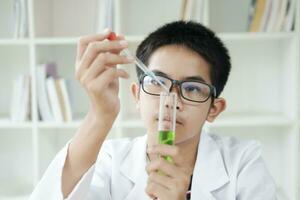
x=193, y=78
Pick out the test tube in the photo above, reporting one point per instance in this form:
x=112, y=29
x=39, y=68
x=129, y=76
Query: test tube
x=167, y=119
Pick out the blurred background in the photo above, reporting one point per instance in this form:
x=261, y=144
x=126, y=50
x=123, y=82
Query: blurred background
x=41, y=104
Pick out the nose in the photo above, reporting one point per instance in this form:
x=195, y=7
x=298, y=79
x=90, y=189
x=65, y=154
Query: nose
x=177, y=105
x=179, y=100
x=176, y=89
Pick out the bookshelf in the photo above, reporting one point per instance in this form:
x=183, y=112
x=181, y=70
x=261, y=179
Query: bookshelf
x=263, y=90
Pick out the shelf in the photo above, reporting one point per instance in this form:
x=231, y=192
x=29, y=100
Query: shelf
x=14, y=41
x=235, y=36
x=56, y=41
x=5, y=123
x=258, y=121
x=233, y=121
x=74, y=40
x=23, y=197
x=139, y=38
x=256, y=36
x=135, y=38
x=63, y=125
x=132, y=123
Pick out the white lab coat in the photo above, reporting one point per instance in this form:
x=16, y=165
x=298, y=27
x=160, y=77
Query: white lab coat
x=225, y=169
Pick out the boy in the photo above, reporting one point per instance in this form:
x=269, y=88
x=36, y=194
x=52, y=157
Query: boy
x=192, y=62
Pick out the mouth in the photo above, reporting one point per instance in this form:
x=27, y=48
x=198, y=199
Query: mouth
x=178, y=121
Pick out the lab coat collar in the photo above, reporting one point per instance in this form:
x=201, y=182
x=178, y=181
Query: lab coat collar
x=136, y=172
x=209, y=173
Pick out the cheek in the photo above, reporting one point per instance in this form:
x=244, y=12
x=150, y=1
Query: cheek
x=148, y=111
x=196, y=118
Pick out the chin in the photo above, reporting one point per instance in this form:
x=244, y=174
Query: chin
x=186, y=138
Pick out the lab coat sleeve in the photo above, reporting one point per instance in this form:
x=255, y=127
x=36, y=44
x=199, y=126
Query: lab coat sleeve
x=254, y=180
x=91, y=186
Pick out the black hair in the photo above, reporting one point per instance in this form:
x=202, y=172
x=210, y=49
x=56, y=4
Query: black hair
x=195, y=37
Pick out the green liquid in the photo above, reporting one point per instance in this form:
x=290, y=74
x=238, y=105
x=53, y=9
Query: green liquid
x=166, y=137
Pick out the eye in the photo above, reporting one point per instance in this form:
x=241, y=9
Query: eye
x=192, y=88
x=154, y=82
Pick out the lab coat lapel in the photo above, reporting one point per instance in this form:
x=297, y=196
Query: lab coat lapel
x=209, y=173
x=136, y=172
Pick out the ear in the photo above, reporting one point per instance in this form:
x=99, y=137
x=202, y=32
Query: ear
x=218, y=106
x=135, y=91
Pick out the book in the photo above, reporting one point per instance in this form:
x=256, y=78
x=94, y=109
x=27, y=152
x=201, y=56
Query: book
x=23, y=20
x=60, y=99
x=20, y=107
x=67, y=112
x=273, y=15
x=79, y=99
x=279, y=22
x=54, y=99
x=290, y=16
x=251, y=13
x=53, y=96
x=266, y=16
x=104, y=15
x=51, y=70
x=20, y=19
x=199, y=14
x=193, y=10
x=16, y=18
x=188, y=10
x=183, y=9
x=258, y=15
x=42, y=95
x=16, y=98
x=26, y=99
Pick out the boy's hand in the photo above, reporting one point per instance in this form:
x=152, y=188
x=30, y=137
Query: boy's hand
x=176, y=179
x=96, y=70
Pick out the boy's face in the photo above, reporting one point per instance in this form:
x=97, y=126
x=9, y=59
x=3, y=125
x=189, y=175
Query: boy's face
x=178, y=63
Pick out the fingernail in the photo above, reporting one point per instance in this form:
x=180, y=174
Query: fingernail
x=123, y=43
x=121, y=36
x=130, y=58
x=150, y=149
x=106, y=30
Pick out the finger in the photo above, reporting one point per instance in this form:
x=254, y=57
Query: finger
x=100, y=64
x=85, y=40
x=107, y=77
x=120, y=37
x=94, y=49
x=165, y=167
x=164, y=181
x=156, y=191
x=164, y=150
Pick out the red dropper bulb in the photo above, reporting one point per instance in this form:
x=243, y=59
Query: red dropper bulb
x=112, y=36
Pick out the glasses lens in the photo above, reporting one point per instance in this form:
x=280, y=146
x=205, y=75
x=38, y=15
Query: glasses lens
x=195, y=91
x=151, y=86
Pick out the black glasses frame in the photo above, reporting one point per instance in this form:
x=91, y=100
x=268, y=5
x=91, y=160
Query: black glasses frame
x=179, y=83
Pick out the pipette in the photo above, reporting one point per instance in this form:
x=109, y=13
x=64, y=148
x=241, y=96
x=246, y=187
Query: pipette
x=112, y=36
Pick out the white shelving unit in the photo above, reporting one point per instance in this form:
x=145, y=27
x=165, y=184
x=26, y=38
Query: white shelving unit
x=263, y=89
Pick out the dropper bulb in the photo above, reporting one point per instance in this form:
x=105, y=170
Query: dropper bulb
x=112, y=36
